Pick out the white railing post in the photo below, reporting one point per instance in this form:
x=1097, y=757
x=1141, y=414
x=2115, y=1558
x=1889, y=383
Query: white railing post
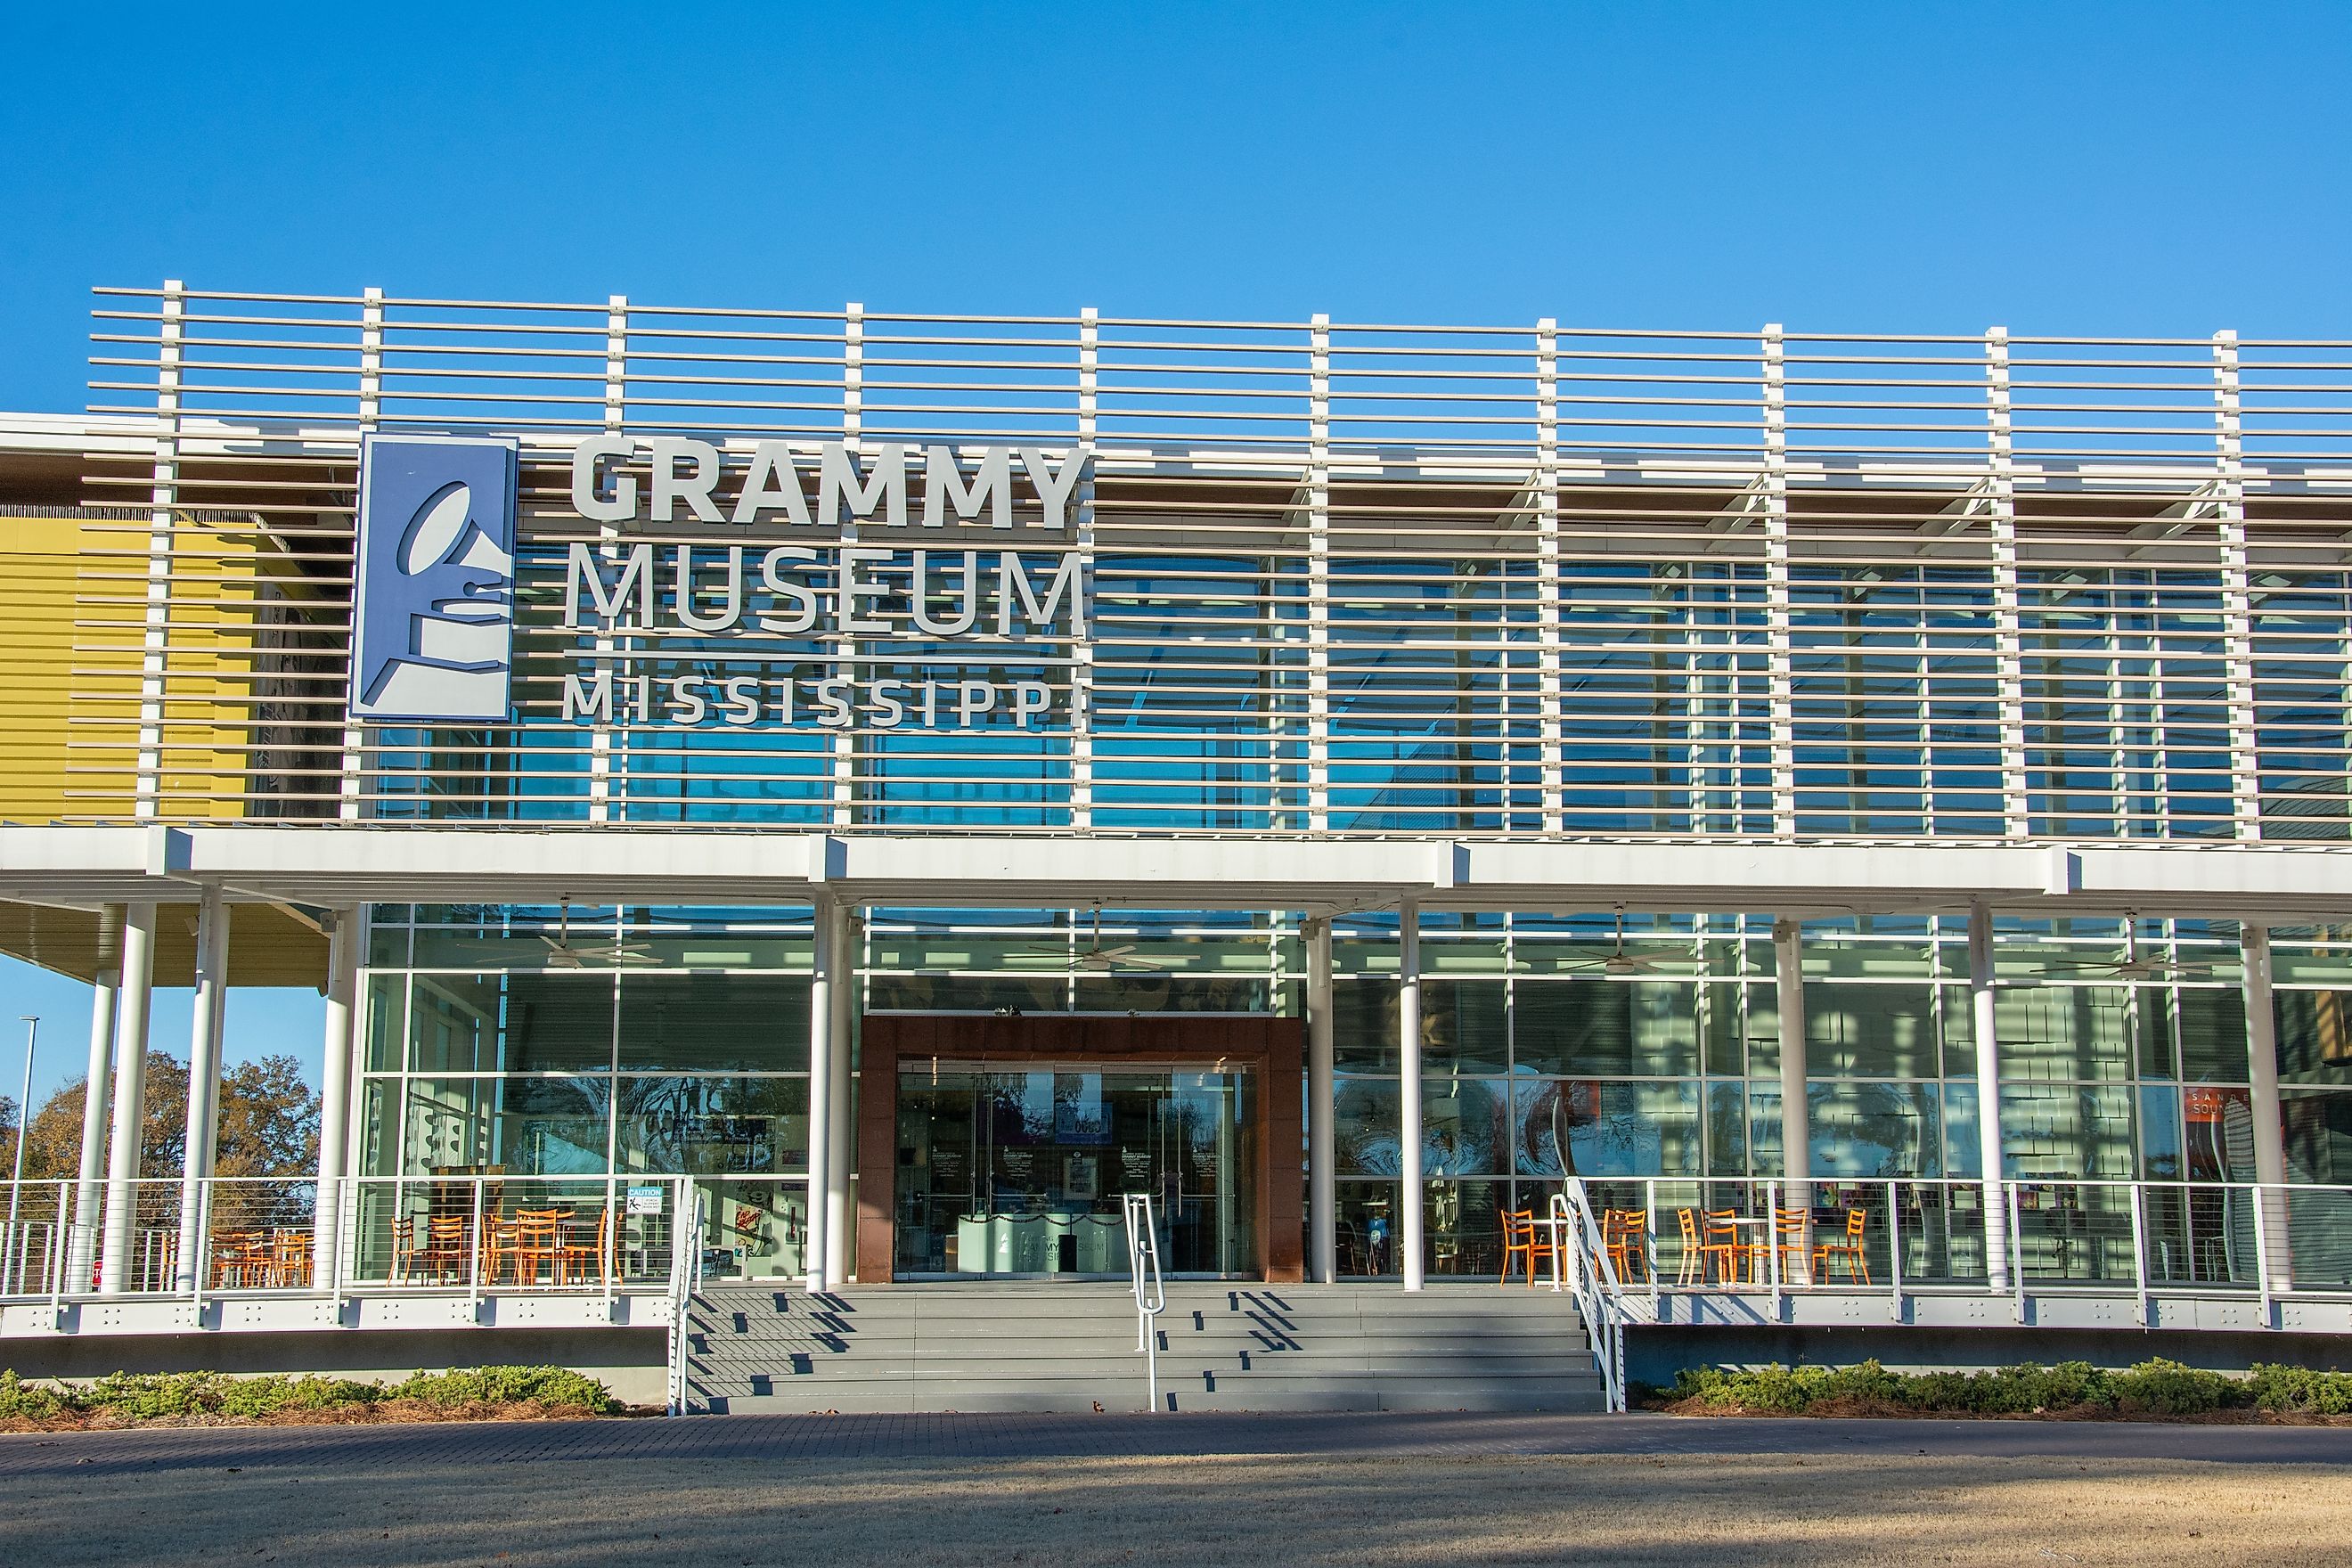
x=1322, y=1154
x=1894, y=1252
x=1150, y=1294
x=2139, y=1255
x=1984, y=1020
x=1408, y=1197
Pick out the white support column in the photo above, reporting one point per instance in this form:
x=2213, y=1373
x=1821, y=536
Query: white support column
x=845, y=649
x=100, y=1074
x=155, y=637
x=2009, y=653
x=840, y=1222
x=1779, y=662
x=1409, y=1196
x=207, y=1020
x=608, y=534
x=1322, y=1156
x=351, y=788
x=1547, y=631
x=2262, y=1093
x=1082, y=629
x=1796, y=1133
x=824, y=974
x=2237, y=592
x=339, y=1046
x=130, y=1112
x=1982, y=1016
x=1318, y=576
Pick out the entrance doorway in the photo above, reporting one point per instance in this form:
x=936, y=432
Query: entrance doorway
x=1022, y=1170
x=995, y=1147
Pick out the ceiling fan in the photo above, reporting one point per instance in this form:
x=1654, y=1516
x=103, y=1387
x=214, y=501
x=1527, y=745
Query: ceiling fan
x=1100, y=958
x=562, y=954
x=2133, y=965
x=1617, y=962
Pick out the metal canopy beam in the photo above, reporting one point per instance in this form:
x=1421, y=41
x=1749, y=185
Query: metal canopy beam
x=335, y=866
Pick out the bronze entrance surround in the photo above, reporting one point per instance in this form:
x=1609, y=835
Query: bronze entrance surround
x=1272, y=1049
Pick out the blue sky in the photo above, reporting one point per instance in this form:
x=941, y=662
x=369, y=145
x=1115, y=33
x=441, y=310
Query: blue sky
x=2151, y=169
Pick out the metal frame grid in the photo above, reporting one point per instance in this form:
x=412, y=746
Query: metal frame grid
x=1343, y=579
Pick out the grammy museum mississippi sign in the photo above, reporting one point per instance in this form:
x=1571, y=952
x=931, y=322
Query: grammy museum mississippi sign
x=655, y=607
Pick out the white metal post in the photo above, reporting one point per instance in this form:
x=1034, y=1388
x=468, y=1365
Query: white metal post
x=339, y=1045
x=1796, y=1136
x=155, y=637
x=207, y=1018
x=129, y=1097
x=351, y=789
x=1547, y=601
x=1082, y=632
x=2262, y=1094
x=824, y=961
x=2237, y=591
x=98, y=1076
x=1322, y=1161
x=1983, y=1019
x=2009, y=657
x=845, y=647
x=616, y=404
x=1318, y=576
x=1778, y=608
x=1409, y=1194
x=838, y=1222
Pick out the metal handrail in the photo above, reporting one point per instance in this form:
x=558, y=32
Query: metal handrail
x=685, y=1273
x=1582, y=1255
x=1150, y=1292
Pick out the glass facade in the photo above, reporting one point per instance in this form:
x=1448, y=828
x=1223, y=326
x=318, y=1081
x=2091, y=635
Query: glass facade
x=679, y=1046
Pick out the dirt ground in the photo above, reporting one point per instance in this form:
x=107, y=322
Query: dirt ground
x=1230, y=1510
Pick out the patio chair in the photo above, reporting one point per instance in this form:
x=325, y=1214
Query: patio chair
x=445, y=1252
x=1790, y=1229
x=538, y=1239
x=1857, y=1265
x=578, y=1251
x=1694, y=1260
x=1626, y=1233
x=1523, y=1239
x=404, y=1248
x=289, y=1260
x=241, y=1259
x=1733, y=1259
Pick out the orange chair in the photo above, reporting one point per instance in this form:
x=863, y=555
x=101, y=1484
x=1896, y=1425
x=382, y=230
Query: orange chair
x=404, y=1248
x=289, y=1260
x=444, y=1254
x=589, y=1258
x=1733, y=1259
x=538, y=1240
x=241, y=1260
x=1857, y=1265
x=1626, y=1233
x=1524, y=1239
x=1789, y=1230
x=1694, y=1260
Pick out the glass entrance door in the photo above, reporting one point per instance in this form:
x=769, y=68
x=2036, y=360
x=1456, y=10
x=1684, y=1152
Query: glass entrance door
x=1020, y=1170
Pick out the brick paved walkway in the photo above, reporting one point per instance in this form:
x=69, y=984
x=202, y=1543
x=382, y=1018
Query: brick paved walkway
x=803, y=1437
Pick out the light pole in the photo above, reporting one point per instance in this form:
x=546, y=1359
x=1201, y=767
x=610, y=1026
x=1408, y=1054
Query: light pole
x=11, y=1260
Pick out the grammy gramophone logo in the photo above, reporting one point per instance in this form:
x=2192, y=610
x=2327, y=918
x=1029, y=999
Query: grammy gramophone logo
x=432, y=623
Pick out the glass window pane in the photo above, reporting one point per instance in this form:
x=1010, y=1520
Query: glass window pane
x=386, y=1016
x=1874, y=1130
x=1959, y=1031
x=2062, y=1032
x=1364, y=1126
x=1364, y=1025
x=2065, y=1130
x=1605, y=1129
x=1963, y=1141
x=1722, y=1026
x=2212, y=1033
x=1462, y=1228
x=1465, y=1127
x=2159, y=1133
x=1727, y=1129
x=1605, y=1027
x=714, y=1126
x=2217, y=1134
x=1465, y=1025
x=1366, y=1227
x=2318, y=1128
x=2315, y=1036
x=1870, y=1031
x=715, y=1023
x=511, y=1126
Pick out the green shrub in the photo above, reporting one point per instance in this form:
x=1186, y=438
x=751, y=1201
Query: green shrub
x=2299, y=1390
x=2161, y=1387
x=505, y=1385
x=19, y=1399
x=149, y=1397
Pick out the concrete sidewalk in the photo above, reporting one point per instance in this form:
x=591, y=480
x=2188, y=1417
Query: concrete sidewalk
x=736, y=1439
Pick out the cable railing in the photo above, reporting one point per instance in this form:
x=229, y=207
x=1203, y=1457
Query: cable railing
x=1905, y=1238
x=466, y=1236
x=1580, y=1252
